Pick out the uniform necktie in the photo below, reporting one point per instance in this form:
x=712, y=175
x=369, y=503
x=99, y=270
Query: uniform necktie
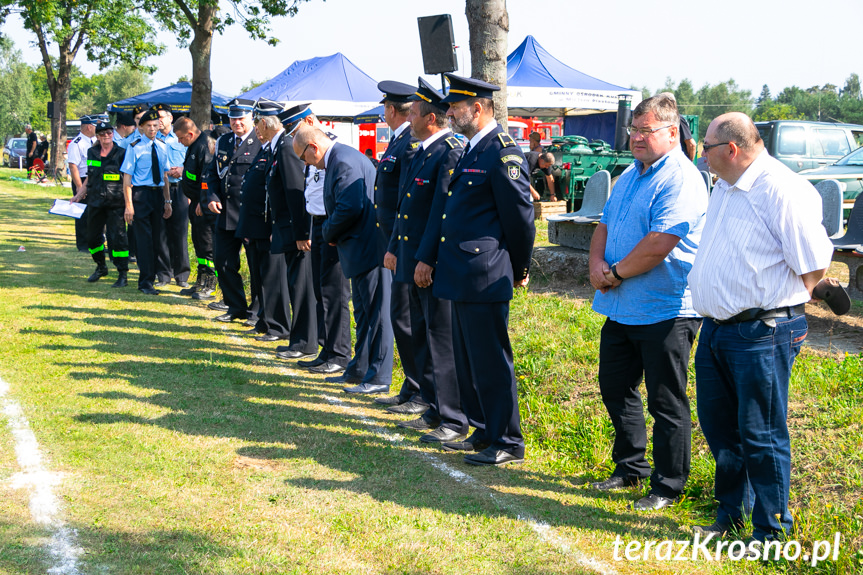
x=154, y=159
x=236, y=143
x=466, y=151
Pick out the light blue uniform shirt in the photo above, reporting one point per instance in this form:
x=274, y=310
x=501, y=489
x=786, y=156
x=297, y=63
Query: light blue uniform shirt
x=138, y=162
x=671, y=198
x=176, y=151
x=124, y=142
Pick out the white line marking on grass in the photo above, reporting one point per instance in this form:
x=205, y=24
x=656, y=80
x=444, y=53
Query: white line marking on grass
x=44, y=506
x=545, y=531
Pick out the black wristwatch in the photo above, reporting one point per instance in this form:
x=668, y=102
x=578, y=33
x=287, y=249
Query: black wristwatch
x=614, y=271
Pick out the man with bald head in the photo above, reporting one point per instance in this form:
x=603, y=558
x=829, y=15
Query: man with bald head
x=762, y=252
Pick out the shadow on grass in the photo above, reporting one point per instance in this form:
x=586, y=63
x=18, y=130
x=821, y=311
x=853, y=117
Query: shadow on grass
x=23, y=551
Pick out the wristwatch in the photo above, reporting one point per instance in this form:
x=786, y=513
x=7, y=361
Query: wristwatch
x=172, y=201
x=614, y=271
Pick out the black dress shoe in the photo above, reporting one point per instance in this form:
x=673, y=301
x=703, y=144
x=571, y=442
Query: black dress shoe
x=227, y=317
x=366, y=388
x=652, y=502
x=268, y=337
x=343, y=379
x=615, y=482
x=720, y=529
x=418, y=424
x=161, y=283
x=492, y=456
x=251, y=322
x=442, y=434
x=149, y=291
x=326, y=367
x=217, y=306
x=309, y=363
x=285, y=352
x=412, y=407
x=469, y=444
x=182, y=284
x=391, y=400
x=205, y=295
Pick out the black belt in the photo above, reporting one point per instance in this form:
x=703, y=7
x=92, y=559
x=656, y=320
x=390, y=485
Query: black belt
x=147, y=188
x=318, y=219
x=758, y=313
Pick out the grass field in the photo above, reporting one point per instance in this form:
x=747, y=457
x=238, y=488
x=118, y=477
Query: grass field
x=182, y=446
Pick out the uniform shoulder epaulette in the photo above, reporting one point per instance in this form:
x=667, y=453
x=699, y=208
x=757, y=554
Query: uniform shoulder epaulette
x=76, y=140
x=506, y=140
x=453, y=142
x=133, y=144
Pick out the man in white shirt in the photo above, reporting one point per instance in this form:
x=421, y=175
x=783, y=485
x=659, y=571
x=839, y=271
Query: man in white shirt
x=77, y=162
x=762, y=252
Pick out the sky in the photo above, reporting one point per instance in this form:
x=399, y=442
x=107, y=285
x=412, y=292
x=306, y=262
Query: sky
x=624, y=42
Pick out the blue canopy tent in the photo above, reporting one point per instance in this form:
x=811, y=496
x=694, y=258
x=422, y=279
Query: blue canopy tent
x=373, y=116
x=178, y=96
x=336, y=88
x=538, y=84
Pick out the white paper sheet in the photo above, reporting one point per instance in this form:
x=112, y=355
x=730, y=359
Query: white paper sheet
x=67, y=208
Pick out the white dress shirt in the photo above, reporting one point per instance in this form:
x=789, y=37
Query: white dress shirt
x=761, y=234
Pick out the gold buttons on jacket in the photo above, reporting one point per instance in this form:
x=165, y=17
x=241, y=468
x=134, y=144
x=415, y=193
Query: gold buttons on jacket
x=444, y=217
x=449, y=193
x=443, y=239
x=378, y=224
x=406, y=238
x=405, y=216
x=409, y=194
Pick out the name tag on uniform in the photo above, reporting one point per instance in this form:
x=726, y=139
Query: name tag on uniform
x=111, y=177
x=94, y=163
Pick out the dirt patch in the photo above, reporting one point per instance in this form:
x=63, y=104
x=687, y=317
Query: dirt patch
x=834, y=334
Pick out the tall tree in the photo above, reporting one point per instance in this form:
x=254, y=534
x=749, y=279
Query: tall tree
x=488, y=24
x=16, y=90
x=193, y=23
x=108, y=31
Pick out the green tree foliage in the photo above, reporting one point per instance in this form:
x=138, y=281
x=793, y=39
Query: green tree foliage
x=16, y=91
x=709, y=101
x=108, y=31
x=194, y=22
x=92, y=94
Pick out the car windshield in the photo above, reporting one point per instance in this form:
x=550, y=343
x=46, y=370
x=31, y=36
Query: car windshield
x=19, y=144
x=855, y=158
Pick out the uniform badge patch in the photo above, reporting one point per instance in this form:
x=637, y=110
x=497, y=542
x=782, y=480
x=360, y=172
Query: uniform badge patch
x=511, y=158
x=317, y=176
x=514, y=172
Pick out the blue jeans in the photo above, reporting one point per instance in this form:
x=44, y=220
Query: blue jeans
x=742, y=372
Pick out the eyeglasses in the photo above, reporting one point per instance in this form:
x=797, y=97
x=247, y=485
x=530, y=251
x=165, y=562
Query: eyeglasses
x=645, y=132
x=302, y=156
x=708, y=147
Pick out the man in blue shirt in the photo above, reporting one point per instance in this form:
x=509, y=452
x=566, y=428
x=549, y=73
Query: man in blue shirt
x=125, y=130
x=640, y=255
x=173, y=258
x=148, y=195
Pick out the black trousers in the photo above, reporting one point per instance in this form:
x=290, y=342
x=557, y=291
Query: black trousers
x=271, y=280
x=304, y=322
x=203, y=228
x=332, y=291
x=431, y=335
x=400, y=316
x=173, y=257
x=486, y=376
x=659, y=354
x=373, y=359
x=81, y=225
x=227, y=253
x=111, y=219
x=149, y=205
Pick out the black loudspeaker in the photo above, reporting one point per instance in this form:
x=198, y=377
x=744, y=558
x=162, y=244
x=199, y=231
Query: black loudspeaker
x=50, y=112
x=437, y=43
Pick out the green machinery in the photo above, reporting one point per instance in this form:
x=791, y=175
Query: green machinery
x=577, y=160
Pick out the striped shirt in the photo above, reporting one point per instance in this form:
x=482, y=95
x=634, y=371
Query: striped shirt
x=761, y=235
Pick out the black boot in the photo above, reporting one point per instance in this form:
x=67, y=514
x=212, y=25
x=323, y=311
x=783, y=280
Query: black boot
x=101, y=268
x=205, y=292
x=122, y=281
x=199, y=283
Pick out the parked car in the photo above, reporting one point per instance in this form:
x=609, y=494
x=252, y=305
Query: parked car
x=848, y=171
x=15, y=148
x=803, y=145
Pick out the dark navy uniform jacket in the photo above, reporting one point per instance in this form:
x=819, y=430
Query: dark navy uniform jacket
x=426, y=176
x=285, y=187
x=254, y=222
x=393, y=164
x=225, y=178
x=350, y=223
x=198, y=161
x=483, y=226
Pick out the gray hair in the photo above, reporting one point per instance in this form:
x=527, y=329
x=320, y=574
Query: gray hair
x=738, y=128
x=270, y=122
x=663, y=107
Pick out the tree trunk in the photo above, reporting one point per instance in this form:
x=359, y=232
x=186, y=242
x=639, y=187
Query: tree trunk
x=60, y=89
x=201, y=48
x=488, y=23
